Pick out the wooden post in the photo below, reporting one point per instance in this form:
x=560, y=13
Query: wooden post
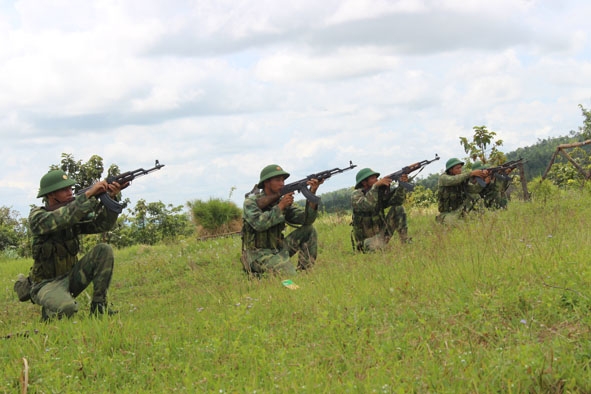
x=561, y=149
x=526, y=195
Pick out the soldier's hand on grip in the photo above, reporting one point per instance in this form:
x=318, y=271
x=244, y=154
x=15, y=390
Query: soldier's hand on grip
x=314, y=183
x=115, y=188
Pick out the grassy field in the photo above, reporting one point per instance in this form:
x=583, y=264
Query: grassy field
x=500, y=304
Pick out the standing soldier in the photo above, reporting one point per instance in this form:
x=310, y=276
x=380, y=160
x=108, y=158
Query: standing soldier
x=57, y=275
x=265, y=249
x=372, y=227
x=453, y=189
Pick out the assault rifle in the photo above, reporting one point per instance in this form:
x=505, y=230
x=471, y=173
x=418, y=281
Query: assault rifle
x=121, y=179
x=500, y=172
x=300, y=185
x=395, y=176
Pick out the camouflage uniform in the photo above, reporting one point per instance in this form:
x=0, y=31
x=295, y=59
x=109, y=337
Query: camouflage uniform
x=372, y=228
x=57, y=274
x=474, y=200
x=452, y=197
x=494, y=194
x=264, y=247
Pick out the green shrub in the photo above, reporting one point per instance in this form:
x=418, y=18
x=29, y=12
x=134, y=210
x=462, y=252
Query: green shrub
x=421, y=197
x=543, y=190
x=214, y=214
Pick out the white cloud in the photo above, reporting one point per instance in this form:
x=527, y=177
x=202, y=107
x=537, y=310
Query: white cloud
x=217, y=89
x=354, y=62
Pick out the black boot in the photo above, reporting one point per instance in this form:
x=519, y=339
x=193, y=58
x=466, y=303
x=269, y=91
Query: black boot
x=101, y=308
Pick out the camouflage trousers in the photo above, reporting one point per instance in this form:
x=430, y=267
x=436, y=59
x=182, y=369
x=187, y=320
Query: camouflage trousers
x=395, y=222
x=451, y=218
x=303, y=241
x=57, y=296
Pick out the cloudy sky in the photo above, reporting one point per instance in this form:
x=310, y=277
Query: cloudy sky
x=218, y=89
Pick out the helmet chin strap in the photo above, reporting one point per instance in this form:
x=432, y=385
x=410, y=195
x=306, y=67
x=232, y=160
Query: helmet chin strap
x=51, y=200
x=56, y=199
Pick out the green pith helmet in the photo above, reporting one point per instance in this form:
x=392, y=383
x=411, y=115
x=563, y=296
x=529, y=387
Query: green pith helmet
x=270, y=171
x=477, y=165
x=52, y=181
x=452, y=162
x=362, y=175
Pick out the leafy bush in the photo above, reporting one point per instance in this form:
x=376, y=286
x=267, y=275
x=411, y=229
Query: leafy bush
x=151, y=223
x=421, y=197
x=214, y=214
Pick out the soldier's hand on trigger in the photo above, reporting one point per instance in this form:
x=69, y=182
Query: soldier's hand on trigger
x=286, y=201
x=404, y=178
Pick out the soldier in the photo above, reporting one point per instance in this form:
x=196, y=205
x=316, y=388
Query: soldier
x=265, y=249
x=452, y=193
x=494, y=194
x=57, y=275
x=372, y=227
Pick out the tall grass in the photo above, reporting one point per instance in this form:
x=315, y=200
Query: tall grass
x=499, y=304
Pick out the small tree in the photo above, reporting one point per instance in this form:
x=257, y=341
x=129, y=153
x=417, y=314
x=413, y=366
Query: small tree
x=585, y=130
x=422, y=197
x=478, y=146
x=85, y=174
x=13, y=232
x=151, y=223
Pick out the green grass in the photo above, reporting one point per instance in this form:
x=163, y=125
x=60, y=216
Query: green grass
x=500, y=304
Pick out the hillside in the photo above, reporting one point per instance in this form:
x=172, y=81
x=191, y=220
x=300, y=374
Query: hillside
x=500, y=304
x=536, y=159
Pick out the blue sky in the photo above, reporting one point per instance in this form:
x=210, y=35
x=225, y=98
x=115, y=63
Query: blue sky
x=216, y=90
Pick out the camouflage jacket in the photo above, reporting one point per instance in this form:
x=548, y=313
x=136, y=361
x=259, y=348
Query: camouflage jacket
x=263, y=228
x=474, y=201
x=494, y=194
x=55, y=233
x=369, y=209
x=451, y=192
